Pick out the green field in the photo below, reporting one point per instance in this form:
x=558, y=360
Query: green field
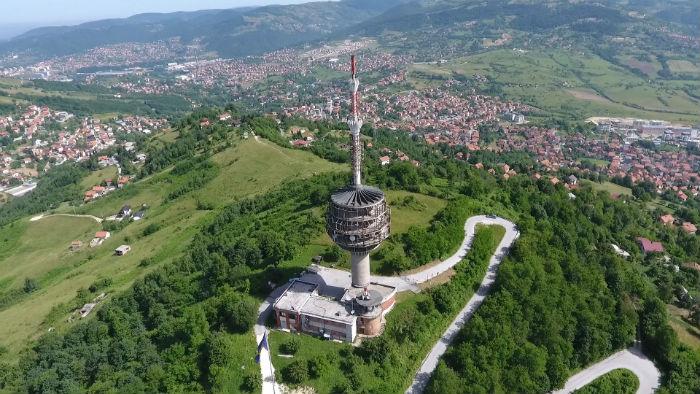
x=569, y=83
x=407, y=213
x=687, y=333
x=610, y=187
x=39, y=249
x=97, y=177
x=683, y=66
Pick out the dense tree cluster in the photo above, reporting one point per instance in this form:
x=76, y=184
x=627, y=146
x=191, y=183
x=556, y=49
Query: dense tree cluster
x=58, y=185
x=619, y=381
x=564, y=300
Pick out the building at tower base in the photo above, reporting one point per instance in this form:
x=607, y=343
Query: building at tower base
x=332, y=311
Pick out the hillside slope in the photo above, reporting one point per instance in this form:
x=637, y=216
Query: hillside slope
x=249, y=168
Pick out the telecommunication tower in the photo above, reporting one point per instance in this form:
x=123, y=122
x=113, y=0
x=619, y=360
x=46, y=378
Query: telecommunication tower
x=358, y=217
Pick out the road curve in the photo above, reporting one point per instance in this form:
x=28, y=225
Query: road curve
x=431, y=360
x=408, y=282
x=631, y=359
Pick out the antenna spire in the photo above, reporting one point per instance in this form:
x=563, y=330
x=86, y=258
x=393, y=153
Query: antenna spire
x=355, y=124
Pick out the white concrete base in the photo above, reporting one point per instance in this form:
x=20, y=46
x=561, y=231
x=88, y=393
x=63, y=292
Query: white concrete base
x=360, y=269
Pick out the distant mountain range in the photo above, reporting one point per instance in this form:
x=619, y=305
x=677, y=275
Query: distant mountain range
x=230, y=33
x=251, y=31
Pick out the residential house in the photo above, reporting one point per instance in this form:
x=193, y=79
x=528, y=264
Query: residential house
x=650, y=246
x=689, y=228
x=667, y=219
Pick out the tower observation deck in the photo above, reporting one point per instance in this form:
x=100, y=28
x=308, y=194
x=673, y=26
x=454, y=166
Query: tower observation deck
x=358, y=217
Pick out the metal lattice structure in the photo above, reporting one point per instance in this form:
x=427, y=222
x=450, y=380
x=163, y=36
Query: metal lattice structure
x=358, y=218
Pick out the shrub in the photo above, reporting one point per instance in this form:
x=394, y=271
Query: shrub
x=297, y=372
x=291, y=346
x=317, y=366
x=146, y=262
x=332, y=253
x=30, y=285
x=100, y=284
x=150, y=229
x=252, y=383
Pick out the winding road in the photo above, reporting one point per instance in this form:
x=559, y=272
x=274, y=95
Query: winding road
x=431, y=360
x=629, y=359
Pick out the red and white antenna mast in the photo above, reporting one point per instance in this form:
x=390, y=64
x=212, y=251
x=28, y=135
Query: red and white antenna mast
x=355, y=124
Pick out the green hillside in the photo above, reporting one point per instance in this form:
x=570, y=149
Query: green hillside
x=570, y=84
x=39, y=249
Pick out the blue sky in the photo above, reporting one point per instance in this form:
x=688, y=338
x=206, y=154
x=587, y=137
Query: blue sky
x=41, y=12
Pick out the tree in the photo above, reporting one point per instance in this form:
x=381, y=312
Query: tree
x=444, y=381
x=375, y=349
x=695, y=315
x=404, y=174
x=252, y=383
x=237, y=312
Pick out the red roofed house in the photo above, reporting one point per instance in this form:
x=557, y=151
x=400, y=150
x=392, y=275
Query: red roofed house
x=689, y=228
x=384, y=160
x=89, y=195
x=123, y=180
x=650, y=246
x=100, y=236
x=682, y=195
x=667, y=220
x=301, y=143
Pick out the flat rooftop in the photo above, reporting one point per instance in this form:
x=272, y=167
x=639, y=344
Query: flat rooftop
x=296, y=295
x=328, y=309
x=302, y=297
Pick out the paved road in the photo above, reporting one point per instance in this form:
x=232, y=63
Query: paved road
x=630, y=359
x=403, y=283
x=431, y=360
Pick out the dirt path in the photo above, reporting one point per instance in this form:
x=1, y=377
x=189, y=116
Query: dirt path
x=95, y=218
